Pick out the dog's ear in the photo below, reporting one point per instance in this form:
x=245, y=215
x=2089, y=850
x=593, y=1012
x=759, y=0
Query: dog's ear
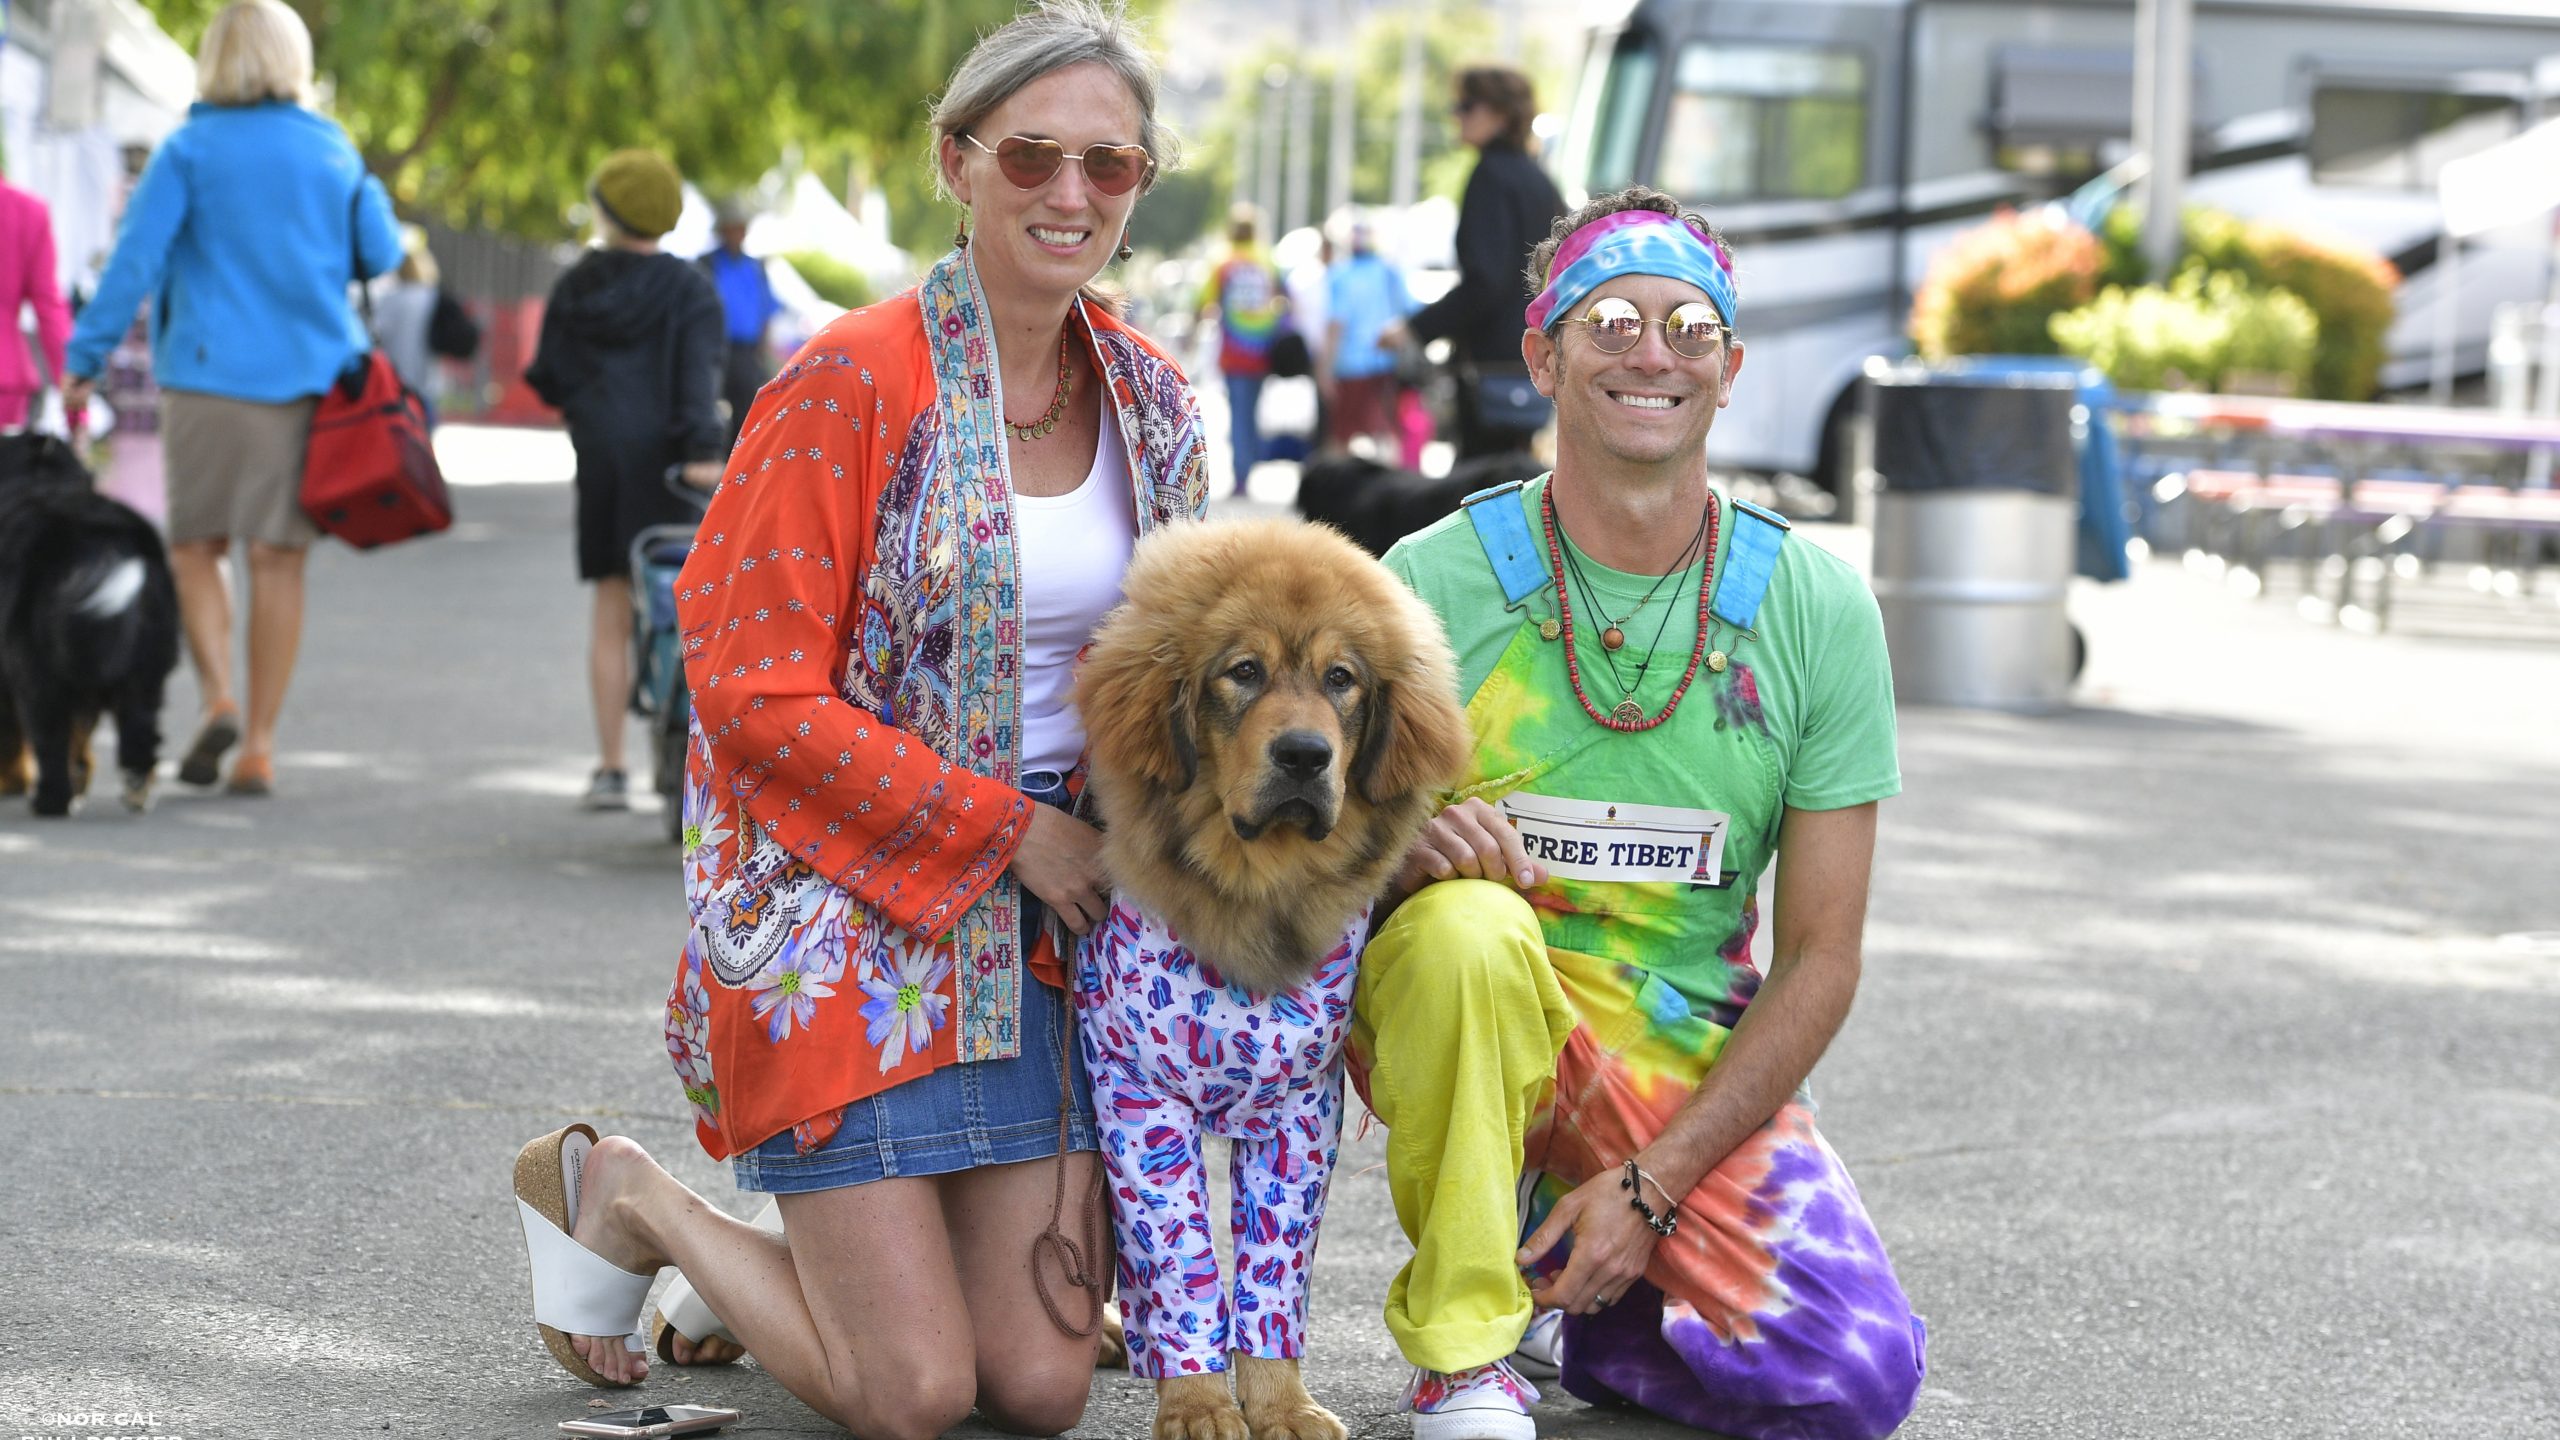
x=1130, y=696
x=1412, y=737
x=1184, y=746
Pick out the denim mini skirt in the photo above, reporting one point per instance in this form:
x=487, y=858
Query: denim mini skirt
x=960, y=1117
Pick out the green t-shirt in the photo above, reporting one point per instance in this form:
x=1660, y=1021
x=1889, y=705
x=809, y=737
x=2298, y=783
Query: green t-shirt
x=1817, y=659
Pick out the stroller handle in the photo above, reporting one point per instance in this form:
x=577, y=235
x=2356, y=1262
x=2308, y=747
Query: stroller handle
x=693, y=495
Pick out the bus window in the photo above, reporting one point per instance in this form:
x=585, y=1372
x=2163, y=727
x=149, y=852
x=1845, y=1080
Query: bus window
x=2400, y=138
x=1619, y=82
x=1761, y=122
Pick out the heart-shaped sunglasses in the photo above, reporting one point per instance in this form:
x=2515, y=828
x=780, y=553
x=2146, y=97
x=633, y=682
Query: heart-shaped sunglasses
x=1030, y=164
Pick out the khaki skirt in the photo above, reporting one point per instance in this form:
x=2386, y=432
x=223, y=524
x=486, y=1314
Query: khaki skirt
x=235, y=468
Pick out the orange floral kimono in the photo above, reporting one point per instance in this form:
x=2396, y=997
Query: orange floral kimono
x=852, y=638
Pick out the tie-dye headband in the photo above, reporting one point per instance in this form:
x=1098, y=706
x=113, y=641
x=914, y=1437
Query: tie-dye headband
x=1634, y=242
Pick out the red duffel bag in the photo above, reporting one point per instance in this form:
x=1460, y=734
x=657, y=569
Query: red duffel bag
x=370, y=476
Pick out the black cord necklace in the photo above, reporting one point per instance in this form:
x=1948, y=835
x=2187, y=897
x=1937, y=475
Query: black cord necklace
x=1614, y=636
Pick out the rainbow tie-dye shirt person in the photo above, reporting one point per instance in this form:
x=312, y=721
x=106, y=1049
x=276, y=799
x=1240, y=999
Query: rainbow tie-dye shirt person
x=1245, y=290
x=1542, y=1037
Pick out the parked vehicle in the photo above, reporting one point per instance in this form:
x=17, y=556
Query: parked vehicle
x=1840, y=143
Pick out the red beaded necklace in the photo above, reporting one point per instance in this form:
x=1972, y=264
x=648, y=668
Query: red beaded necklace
x=1627, y=715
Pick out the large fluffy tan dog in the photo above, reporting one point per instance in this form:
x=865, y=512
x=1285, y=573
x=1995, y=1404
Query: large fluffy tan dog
x=1271, y=713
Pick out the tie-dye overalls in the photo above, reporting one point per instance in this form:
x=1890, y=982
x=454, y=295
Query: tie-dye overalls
x=1559, y=1036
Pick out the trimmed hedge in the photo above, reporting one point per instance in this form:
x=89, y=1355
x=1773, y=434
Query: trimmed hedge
x=836, y=282
x=2203, y=330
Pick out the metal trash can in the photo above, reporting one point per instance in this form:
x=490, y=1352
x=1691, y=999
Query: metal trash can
x=1976, y=521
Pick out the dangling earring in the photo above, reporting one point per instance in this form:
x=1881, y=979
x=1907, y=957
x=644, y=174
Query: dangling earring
x=960, y=234
x=1125, y=251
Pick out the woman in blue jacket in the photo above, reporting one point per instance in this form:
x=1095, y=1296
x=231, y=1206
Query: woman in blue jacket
x=244, y=233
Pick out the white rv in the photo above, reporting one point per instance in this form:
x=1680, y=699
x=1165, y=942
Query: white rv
x=1840, y=143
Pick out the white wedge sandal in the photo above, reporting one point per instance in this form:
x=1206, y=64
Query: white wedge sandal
x=575, y=1290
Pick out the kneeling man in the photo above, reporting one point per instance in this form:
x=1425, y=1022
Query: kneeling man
x=1596, y=1102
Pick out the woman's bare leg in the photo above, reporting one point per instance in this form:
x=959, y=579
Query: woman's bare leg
x=1032, y=1378
x=860, y=1314
x=609, y=666
x=275, y=638
x=204, y=608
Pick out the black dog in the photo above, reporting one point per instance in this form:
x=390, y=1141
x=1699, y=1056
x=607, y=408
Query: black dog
x=88, y=625
x=1377, y=505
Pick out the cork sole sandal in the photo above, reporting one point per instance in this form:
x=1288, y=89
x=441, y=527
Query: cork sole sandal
x=575, y=1290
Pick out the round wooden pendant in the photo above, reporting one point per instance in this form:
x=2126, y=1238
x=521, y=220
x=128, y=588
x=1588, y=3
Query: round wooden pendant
x=1628, y=712
x=1613, y=637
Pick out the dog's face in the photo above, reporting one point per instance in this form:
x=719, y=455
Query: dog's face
x=1277, y=723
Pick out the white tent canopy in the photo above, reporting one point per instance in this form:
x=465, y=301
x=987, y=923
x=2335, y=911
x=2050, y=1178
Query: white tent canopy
x=2513, y=180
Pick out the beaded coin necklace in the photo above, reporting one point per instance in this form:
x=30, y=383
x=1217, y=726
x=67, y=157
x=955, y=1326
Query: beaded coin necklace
x=1627, y=716
x=1057, y=402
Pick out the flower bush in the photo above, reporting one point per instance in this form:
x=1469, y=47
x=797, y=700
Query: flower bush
x=2201, y=330
x=2348, y=289
x=1994, y=289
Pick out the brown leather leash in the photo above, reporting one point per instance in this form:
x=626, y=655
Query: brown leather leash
x=1079, y=1263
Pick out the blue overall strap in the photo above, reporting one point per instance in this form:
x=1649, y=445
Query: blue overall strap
x=1748, y=563
x=1504, y=534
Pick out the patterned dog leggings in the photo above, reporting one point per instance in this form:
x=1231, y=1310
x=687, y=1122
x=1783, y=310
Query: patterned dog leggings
x=1174, y=1051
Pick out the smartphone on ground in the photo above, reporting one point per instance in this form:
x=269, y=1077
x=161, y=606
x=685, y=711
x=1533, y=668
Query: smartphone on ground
x=653, y=1420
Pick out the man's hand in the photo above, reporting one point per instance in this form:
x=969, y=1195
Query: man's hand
x=1469, y=839
x=701, y=474
x=76, y=391
x=1060, y=860
x=1611, y=1247
x=1394, y=336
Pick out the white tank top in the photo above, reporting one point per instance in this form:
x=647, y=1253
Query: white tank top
x=1073, y=550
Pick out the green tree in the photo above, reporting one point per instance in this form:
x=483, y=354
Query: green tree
x=1453, y=38
x=491, y=113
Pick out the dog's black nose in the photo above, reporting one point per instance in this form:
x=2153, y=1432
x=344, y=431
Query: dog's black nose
x=1303, y=753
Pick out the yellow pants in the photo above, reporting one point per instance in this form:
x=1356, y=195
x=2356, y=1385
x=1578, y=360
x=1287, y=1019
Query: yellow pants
x=1455, y=1030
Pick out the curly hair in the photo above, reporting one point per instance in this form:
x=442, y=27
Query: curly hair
x=1634, y=197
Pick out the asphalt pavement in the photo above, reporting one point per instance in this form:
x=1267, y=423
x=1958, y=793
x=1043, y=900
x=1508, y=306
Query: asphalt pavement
x=2205, y=1080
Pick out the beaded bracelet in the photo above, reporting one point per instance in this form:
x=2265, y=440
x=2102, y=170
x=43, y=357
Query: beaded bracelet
x=1664, y=1224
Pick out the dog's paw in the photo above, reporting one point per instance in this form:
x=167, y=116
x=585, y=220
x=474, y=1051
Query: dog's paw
x=1198, y=1407
x=1306, y=1420
x=137, y=791
x=1276, y=1404
x=1114, y=1354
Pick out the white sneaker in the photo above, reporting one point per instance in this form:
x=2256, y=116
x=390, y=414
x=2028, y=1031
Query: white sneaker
x=1541, y=1352
x=1489, y=1402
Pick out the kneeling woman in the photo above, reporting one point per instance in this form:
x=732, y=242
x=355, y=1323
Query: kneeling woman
x=926, y=516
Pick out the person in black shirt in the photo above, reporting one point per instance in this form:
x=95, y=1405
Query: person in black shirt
x=631, y=355
x=1509, y=206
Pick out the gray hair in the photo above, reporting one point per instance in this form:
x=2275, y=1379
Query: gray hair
x=1053, y=35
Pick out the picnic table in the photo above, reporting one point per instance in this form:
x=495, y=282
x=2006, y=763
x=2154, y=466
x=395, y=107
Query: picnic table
x=2308, y=479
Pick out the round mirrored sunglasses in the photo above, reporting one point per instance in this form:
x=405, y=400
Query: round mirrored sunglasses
x=1694, y=329
x=1030, y=163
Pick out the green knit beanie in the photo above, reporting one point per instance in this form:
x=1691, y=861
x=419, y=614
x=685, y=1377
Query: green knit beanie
x=641, y=190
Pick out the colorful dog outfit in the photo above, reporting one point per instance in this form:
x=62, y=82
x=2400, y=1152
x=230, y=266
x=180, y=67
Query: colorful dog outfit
x=1174, y=1050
